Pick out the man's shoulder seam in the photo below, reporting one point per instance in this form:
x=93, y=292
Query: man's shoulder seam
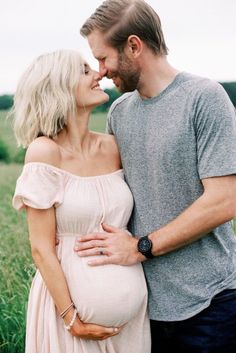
x=120, y=100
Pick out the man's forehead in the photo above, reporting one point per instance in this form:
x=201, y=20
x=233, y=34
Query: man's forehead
x=96, y=48
x=96, y=39
x=97, y=43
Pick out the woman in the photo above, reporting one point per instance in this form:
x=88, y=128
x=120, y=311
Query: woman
x=71, y=183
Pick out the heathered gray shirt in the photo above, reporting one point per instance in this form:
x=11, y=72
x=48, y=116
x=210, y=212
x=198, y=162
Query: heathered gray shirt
x=168, y=144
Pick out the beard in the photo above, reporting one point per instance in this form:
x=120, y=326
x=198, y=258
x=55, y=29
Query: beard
x=127, y=77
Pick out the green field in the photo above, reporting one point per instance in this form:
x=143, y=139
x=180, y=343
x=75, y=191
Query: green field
x=16, y=268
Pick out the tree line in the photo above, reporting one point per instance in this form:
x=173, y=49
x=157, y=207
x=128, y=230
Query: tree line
x=230, y=88
x=6, y=101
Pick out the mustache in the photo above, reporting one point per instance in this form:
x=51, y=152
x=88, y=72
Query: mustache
x=110, y=75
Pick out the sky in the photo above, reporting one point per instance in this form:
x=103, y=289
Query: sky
x=200, y=35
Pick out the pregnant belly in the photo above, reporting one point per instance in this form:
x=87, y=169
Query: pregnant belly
x=109, y=295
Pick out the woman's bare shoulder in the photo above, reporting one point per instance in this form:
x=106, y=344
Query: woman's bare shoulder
x=110, y=149
x=108, y=142
x=43, y=150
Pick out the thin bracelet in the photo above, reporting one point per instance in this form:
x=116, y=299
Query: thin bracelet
x=68, y=327
x=64, y=312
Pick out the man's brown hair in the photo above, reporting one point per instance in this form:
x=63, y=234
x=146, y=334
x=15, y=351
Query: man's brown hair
x=118, y=19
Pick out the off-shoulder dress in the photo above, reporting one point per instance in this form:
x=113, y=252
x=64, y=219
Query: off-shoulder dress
x=109, y=295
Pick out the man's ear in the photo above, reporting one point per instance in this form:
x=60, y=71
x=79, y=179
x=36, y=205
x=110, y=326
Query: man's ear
x=134, y=46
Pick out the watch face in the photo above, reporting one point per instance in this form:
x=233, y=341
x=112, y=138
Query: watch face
x=144, y=245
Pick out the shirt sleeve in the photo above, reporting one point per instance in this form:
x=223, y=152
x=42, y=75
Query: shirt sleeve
x=39, y=186
x=215, y=128
x=109, y=129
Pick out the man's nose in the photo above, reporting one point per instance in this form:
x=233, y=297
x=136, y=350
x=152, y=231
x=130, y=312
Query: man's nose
x=102, y=69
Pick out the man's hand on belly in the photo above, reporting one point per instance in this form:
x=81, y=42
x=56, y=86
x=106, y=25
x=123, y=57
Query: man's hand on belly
x=114, y=246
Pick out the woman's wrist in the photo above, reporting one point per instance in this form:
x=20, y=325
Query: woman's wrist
x=77, y=328
x=70, y=324
x=68, y=316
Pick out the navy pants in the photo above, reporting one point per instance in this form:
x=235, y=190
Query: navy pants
x=213, y=330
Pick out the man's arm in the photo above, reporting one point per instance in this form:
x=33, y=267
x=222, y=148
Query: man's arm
x=216, y=206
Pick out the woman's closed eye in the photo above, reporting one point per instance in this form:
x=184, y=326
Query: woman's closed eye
x=86, y=69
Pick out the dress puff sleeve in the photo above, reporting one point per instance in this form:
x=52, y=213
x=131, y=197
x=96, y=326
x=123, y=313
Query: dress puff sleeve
x=39, y=186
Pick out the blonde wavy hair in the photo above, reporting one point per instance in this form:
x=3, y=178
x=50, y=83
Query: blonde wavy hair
x=46, y=95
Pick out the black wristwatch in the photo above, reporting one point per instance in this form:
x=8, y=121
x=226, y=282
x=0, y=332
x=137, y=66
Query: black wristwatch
x=145, y=247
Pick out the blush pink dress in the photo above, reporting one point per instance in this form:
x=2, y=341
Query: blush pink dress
x=109, y=295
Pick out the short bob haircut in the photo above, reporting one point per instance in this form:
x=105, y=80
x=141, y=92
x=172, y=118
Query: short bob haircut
x=118, y=19
x=46, y=95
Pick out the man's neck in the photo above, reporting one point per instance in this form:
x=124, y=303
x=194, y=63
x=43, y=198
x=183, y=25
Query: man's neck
x=156, y=75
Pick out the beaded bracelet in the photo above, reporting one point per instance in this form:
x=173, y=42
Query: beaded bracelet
x=68, y=327
x=64, y=312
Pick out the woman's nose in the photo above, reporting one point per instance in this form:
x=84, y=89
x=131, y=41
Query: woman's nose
x=97, y=76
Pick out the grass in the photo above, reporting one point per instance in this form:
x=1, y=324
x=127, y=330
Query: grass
x=16, y=268
x=6, y=134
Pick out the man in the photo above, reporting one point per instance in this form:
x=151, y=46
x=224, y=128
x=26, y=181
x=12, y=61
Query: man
x=177, y=137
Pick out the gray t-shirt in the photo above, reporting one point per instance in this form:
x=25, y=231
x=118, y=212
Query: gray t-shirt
x=168, y=144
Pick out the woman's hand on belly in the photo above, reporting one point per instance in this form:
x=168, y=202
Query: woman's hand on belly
x=92, y=331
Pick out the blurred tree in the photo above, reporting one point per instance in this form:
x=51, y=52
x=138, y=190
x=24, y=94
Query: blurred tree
x=4, y=152
x=230, y=88
x=19, y=156
x=113, y=94
x=6, y=102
